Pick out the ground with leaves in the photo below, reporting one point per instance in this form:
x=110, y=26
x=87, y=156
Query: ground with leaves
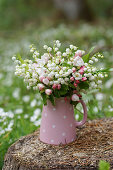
x=20, y=109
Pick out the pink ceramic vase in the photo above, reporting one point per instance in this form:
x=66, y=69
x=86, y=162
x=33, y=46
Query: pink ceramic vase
x=58, y=122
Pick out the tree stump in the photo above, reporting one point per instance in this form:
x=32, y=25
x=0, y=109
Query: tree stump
x=94, y=142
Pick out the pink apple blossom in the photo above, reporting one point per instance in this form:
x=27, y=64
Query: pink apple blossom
x=82, y=67
x=46, y=81
x=48, y=91
x=73, y=69
x=72, y=78
x=40, y=86
x=84, y=78
x=41, y=78
x=81, y=71
x=78, y=53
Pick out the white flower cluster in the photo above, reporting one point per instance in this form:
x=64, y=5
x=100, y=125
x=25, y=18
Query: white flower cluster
x=3, y=116
x=52, y=70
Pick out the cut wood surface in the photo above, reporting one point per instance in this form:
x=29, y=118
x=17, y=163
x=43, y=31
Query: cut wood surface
x=94, y=142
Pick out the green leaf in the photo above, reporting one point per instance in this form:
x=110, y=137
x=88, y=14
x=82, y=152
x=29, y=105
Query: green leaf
x=63, y=90
x=103, y=165
x=91, y=50
x=73, y=103
x=105, y=70
x=86, y=57
x=84, y=85
x=56, y=93
x=44, y=97
x=51, y=98
x=71, y=85
x=66, y=65
x=20, y=58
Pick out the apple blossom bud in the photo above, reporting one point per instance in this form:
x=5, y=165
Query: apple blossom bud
x=48, y=91
x=54, y=86
x=58, y=86
x=84, y=78
x=75, y=91
x=75, y=84
x=81, y=71
x=72, y=78
x=82, y=67
x=75, y=97
x=79, y=95
x=77, y=81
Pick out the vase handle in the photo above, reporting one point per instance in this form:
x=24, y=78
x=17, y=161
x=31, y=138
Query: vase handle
x=85, y=114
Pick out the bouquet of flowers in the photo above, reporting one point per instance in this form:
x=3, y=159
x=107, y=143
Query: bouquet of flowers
x=58, y=74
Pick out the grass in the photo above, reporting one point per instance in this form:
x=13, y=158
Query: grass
x=20, y=109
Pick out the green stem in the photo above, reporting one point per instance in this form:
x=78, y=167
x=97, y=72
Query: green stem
x=78, y=110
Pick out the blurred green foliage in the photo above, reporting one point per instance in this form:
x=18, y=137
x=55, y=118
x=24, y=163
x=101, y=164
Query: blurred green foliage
x=101, y=8
x=15, y=14
x=18, y=13
x=103, y=165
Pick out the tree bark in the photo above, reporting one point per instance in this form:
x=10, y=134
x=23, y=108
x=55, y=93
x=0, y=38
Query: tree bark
x=94, y=143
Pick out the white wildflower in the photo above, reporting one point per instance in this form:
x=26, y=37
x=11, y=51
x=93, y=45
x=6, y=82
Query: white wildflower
x=90, y=61
x=45, y=47
x=71, y=47
x=33, y=103
x=64, y=54
x=49, y=49
x=18, y=111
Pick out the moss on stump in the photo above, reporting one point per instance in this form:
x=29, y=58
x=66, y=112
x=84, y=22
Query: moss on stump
x=94, y=142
